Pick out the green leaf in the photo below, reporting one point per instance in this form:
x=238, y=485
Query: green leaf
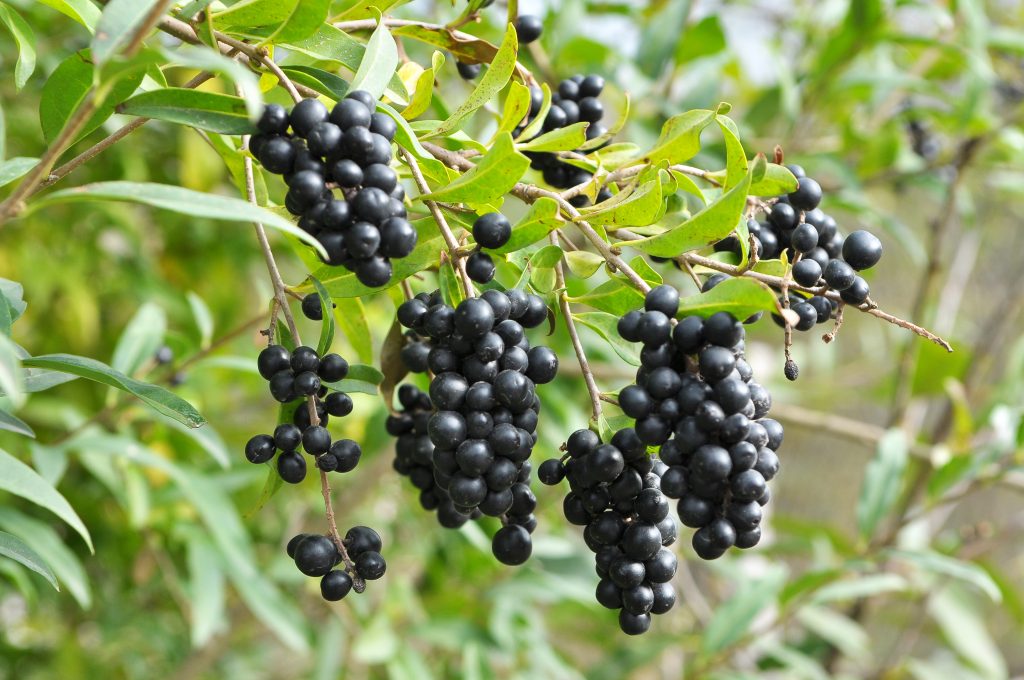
x=12, y=423
x=180, y=200
x=736, y=158
x=82, y=11
x=66, y=89
x=305, y=18
x=140, y=340
x=205, y=589
x=361, y=378
x=492, y=82
x=883, y=479
x=777, y=181
x=451, y=291
x=491, y=178
x=12, y=376
x=365, y=9
x=841, y=631
x=14, y=168
x=562, y=139
x=543, y=218
x=21, y=480
x=210, y=111
x=423, y=93
x=379, y=63
x=584, y=263
x=859, y=587
x=26, y=39
x=537, y=124
x=325, y=83
x=117, y=26
x=156, y=397
x=209, y=60
x=206, y=437
x=701, y=39
x=332, y=44
x=327, y=323
x=341, y=283
x=606, y=325
x=517, y=106
x=680, y=137
x=741, y=297
x=638, y=207
x=734, y=617
x=14, y=294
x=351, y=316
x=407, y=139
x=250, y=14
x=966, y=632
x=944, y=565
x=48, y=544
x=203, y=318
x=713, y=223
x=14, y=548
x=613, y=296
x=542, y=268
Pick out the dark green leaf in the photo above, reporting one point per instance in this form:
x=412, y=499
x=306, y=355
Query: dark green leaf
x=305, y=18
x=327, y=323
x=361, y=378
x=13, y=168
x=331, y=44
x=118, y=24
x=249, y=14
x=180, y=200
x=322, y=81
x=215, y=62
x=451, y=291
x=156, y=397
x=208, y=111
x=21, y=480
x=14, y=548
x=26, y=39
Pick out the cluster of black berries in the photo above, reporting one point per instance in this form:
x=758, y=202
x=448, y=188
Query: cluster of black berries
x=295, y=376
x=695, y=399
x=615, y=492
x=414, y=452
x=576, y=100
x=317, y=555
x=348, y=148
x=820, y=253
x=528, y=29
x=484, y=424
x=490, y=230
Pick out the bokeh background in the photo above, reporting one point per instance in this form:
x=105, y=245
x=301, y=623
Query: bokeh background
x=907, y=112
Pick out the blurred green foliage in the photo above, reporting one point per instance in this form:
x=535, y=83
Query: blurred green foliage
x=882, y=560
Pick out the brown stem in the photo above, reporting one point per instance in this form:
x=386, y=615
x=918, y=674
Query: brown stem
x=458, y=261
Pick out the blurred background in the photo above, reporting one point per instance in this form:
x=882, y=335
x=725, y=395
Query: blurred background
x=894, y=539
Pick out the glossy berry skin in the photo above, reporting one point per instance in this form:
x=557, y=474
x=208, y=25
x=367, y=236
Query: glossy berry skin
x=304, y=359
x=287, y=437
x=260, y=449
x=315, y=555
x=347, y=453
x=856, y=293
x=277, y=155
x=480, y=267
x=512, y=545
x=360, y=539
x=316, y=440
x=350, y=113
x=292, y=467
x=468, y=71
x=551, y=472
x=333, y=368
x=807, y=195
x=335, y=585
x=306, y=114
x=839, y=275
x=274, y=120
x=370, y=565
x=492, y=230
x=804, y=238
x=363, y=96
x=346, y=173
x=862, y=250
x=634, y=624
x=338, y=404
x=307, y=383
x=312, y=307
x=528, y=28
x=664, y=299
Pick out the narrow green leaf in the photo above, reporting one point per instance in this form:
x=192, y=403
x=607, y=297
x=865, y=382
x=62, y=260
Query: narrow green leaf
x=209, y=60
x=423, y=93
x=250, y=14
x=741, y=297
x=944, y=565
x=537, y=124
x=965, y=629
x=469, y=50
x=210, y=111
x=517, y=106
x=327, y=322
x=365, y=9
x=180, y=200
x=14, y=548
x=491, y=178
x=68, y=86
x=606, y=325
x=883, y=478
x=203, y=318
x=12, y=376
x=379, y=63
x=15, y=168
x=206, y=590
x=117, y=26
x=680, y=137
x=405, y=137
x=734, y=617
x=351, y=317
x=735, y=156
x=21, y=480
x=12, y=423
x=841, y=631
x=863, y=586
x=26, y=39
x=14, y=293
x=140, y=340
x=543, y=218
x=492, y=82
x=156, y=397
x=48, y=544
x=613, y=296
x=451, y=291
x=304, y=20
x=562, y=139
x=322, y=81
x=361, y=378
x=638, y=207
x=270, y=488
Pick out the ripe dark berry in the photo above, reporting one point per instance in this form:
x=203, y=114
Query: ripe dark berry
x=862, y=250
x=591, y=110
x=316, y=440
x=804, y=238
x=306, y=114
x=664, y=299
x=335, y=585
x=307, y=383
x=783, y=216
x=857, y=293
x=363, y=96
x=351, y=113
x=512, y=545
x=807, y=272
x=551, y=472
x=347, y=453
x=277, y=155
x=720, y=329
x=304, y=359
x=315, y=555
x=274, y=120
x=474, y=317
x=839, y=275
x=282, y=386
x=291, y=466
x=260, y=449
x=333, y=368
x=346, y=173
x=634, y=624
x=370, y=565
x=468, y=71
x=338, y=404
x=383, y=125
x=380, y=176
x=312, y=307
x=492, y=230
x=374, y=272
x=287, y=437
x=480, y=267
x=528, y=28
x=807, y=195
x=324, y=139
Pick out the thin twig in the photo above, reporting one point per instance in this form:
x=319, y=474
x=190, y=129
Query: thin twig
x=570, y=325
x=458, y=261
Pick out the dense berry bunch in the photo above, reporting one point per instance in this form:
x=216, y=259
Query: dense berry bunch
x=821, y=255
x=364, y=226
x=615, y=492
x=483, y=391
x=317, y=555
x=576, y=100
x=696, y=400
x=490, y=230
x=414, y=452
x=296, y=376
